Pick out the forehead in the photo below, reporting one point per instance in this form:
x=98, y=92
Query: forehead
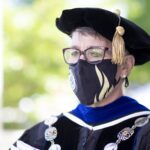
x=89, y=39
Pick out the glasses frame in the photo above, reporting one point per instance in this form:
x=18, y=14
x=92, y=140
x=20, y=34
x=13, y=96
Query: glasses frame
x=84, y=54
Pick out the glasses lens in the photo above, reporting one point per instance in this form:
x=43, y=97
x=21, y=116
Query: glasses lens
x=71, y=56
x=94, y=54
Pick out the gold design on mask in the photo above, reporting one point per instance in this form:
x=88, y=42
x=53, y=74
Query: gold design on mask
x=95, y=100
x=109, y=90
x=103, y=80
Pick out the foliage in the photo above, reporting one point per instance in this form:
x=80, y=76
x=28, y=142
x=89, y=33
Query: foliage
x=32, y=50
x=141, y=73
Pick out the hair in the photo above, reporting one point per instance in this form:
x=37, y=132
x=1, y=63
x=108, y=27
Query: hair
x=92, y=32
x=86, y=30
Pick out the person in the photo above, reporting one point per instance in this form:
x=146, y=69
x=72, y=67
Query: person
x=104, y=49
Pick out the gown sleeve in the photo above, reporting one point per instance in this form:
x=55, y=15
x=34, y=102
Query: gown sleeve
x=32, y=139
x=142, y=141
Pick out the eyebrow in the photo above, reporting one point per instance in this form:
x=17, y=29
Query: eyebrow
x=76, y=47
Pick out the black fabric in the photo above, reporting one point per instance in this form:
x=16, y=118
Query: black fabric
x=35, y=136
x=68, y=134
x=72, y=136
x=137, y=41
x=96, y=140
x=142, y=141
x=87, y=84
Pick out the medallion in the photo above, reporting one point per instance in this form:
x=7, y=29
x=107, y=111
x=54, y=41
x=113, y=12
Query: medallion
x=125, y=134
x=51, y=120
x=141, y=121
x=111, y=146
x=50, y=133
x=55, y=147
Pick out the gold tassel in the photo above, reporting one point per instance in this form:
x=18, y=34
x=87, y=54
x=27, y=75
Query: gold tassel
x=117, y=12
x=118, y=44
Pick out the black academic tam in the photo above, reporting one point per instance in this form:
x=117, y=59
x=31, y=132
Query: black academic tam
x=137, y=41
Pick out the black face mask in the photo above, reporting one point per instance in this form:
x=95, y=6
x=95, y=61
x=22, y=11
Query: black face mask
x=90, y=82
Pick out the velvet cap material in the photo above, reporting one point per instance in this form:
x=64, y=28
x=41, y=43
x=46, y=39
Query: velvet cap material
x=137, y=41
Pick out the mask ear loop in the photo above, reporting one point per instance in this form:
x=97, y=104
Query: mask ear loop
x=125, y=78
x=117, y=81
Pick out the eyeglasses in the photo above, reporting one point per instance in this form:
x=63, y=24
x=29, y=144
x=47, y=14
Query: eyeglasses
x=93, y=55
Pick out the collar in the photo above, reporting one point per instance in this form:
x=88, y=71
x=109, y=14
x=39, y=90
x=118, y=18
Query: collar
x=122, y=109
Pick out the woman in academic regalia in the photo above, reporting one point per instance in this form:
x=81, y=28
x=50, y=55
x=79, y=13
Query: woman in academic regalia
x=104, y=49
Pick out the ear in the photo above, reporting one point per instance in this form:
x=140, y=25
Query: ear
x=128, y=64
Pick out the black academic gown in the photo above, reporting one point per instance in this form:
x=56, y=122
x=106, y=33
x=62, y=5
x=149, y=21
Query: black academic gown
x=73, y=133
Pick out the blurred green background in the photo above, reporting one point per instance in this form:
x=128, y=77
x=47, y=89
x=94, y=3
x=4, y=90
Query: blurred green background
x=35, y=75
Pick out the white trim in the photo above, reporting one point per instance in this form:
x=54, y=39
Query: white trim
x=23, y=146
x=13, y=148
x=77, y=120
x=105, y=125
